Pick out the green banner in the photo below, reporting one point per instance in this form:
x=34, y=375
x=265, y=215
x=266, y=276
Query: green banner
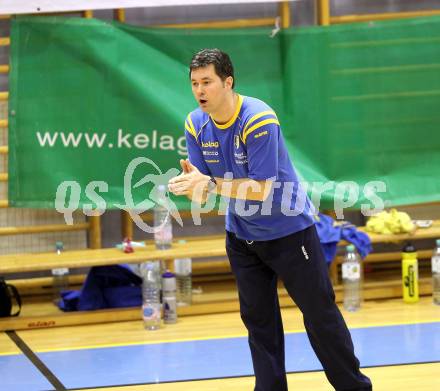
x=362, y=102
x=357, y=103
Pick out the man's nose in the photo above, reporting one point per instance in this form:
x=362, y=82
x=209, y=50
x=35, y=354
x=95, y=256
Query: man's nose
x=200, y=90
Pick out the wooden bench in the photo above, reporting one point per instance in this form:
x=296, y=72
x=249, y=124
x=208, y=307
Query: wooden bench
x=432, y=232
x=202, y=247
x=37, y=313
x=195, y=247
x=218, y=296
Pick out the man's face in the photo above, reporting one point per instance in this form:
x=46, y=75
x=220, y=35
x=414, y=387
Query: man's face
x=209, y=89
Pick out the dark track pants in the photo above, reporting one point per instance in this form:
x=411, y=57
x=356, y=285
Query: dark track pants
x=298, y=260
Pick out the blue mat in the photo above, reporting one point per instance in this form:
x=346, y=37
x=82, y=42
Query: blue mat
x=17, y=373
x=179, y=361
x=215, y=358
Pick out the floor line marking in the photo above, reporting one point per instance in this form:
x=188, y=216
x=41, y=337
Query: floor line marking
x=236, y=377
x=11, y=354
x=405, y=323
x=177, y=340
x=33, y=358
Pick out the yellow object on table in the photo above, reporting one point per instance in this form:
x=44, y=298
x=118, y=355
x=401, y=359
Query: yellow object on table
x=392, y=222
x=410, y=275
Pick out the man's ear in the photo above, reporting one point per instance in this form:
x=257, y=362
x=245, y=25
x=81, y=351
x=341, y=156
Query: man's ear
x=229, y=81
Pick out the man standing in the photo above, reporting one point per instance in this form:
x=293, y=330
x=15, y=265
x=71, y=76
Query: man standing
x=241, y=136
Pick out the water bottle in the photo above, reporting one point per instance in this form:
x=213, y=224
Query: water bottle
x=410, y=274
x=183, y=270
x=60, y=279
x=435, y=264
x=169, y=297
x=151, y=308
x=351, y=277
x=163, y=235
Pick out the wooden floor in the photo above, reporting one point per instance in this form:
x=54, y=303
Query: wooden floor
x=374, y=313
x=423, y=377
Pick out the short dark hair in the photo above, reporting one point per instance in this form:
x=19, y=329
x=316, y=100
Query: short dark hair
x=221, y=61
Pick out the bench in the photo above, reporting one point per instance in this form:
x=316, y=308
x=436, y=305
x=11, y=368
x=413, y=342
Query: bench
x=202, y=247
x=432, y=232
x=35, y=313
x=218, y=296
x=195, y=247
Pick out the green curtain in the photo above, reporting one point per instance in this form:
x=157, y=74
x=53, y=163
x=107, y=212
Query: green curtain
x=357, y=103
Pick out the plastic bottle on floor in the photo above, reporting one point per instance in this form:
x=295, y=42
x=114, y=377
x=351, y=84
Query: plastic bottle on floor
x=410, y=274
x=151, y=307
x=163, y=236
x=183, y=270
x=169, y=297
x=435, y=265
x=60, y=276
x=352, y=279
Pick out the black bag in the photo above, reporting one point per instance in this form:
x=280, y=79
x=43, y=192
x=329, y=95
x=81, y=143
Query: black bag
x=7, y=292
